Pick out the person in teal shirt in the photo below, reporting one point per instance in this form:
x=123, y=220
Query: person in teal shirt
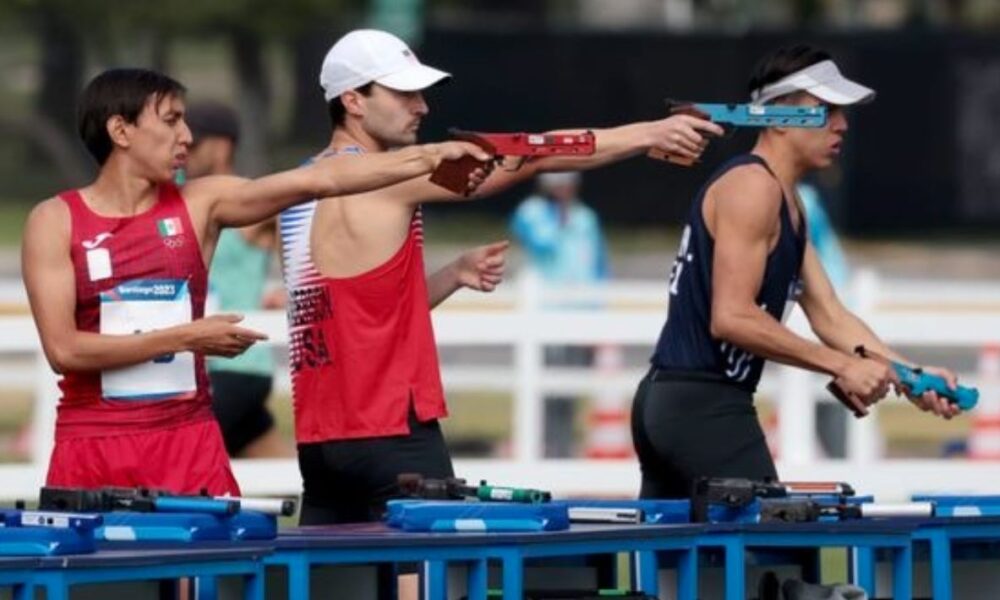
x=237, y=283
x=831, y=420
x=824, y=237
x=562, y=239
x=560, y=234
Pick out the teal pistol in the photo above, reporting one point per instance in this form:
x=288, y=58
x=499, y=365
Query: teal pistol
x=744, y=115
x=915, y=380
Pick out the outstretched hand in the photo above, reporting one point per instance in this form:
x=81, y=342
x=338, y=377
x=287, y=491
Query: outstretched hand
x=683, y=137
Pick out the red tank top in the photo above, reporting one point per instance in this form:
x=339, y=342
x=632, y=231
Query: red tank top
x=135, y=274
x=361, y=348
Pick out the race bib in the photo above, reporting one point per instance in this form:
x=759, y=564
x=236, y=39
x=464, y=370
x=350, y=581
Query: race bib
x=147, y=305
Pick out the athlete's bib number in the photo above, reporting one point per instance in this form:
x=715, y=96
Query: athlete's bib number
x=140, y=306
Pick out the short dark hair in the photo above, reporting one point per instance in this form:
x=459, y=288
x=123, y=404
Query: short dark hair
x=212, y=119
x=783, y=62
x=121, y=92
x=337, y=110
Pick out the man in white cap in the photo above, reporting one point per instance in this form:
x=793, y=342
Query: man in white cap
x=744, y=258
x=365, y=373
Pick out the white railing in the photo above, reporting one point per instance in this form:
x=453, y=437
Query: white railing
x=628, y=314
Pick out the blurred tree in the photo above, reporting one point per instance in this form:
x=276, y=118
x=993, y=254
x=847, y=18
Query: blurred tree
x=116, y=29
x=49, y=130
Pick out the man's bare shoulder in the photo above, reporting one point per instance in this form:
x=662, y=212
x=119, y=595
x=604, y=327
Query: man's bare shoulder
x=746, y=189
x=752, y=180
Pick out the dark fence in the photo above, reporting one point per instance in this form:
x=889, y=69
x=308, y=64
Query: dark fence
x=925, y=156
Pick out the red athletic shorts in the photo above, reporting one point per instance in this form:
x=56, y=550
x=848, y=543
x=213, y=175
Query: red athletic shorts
x=183, y=460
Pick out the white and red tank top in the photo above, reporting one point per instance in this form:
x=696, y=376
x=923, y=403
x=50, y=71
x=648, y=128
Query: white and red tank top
x=361, y=348
x=135, y=274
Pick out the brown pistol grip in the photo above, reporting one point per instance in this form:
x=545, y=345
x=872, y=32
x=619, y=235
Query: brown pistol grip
x=453, y=175
x=658, y=154
x=677, y=108
x=839, y=393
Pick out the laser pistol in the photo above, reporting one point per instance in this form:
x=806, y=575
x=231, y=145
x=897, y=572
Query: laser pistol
x=743, y=115
x=914, y=379
x=416, y=486
x=453, y=175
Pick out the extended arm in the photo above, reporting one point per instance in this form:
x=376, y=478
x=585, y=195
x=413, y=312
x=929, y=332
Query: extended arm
x=235, y=202
x=679, y=134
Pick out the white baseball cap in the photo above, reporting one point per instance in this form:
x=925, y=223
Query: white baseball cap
x=822, y=80
x=366, y=55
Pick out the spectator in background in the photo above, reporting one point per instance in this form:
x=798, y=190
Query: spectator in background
x=562, y=239
x=831, y=420
x=560, y=234
x=823, y=236
x=237, y=283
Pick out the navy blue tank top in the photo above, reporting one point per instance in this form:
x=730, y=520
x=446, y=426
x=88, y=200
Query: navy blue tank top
x=686, y=342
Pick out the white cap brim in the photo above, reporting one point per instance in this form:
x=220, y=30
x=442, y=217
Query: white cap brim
x=413, y=78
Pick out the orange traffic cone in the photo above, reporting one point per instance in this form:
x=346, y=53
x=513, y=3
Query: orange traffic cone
x=771, y=436
x=984, y=437
x=608, y=433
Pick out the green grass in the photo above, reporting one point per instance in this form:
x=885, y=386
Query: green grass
x=12, y=217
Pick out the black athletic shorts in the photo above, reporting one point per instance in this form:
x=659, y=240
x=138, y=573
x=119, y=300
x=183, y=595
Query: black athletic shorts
x=687, y=425
x=349, y=481
x=239, y=402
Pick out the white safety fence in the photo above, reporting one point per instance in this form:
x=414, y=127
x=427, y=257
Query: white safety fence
x=524, y=318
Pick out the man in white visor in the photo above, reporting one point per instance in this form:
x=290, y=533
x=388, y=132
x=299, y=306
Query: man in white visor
x=744, y=259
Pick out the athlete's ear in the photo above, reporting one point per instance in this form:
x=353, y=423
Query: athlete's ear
x=117, y=129
x=353, y=101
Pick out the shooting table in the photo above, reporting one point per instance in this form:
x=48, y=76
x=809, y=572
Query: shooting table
x=301, y=548
x=735, y=539
x=16, y=574
x=939, y=536
x=205, y=561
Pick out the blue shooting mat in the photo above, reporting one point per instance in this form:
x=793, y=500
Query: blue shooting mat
x=45, y=541
x=123, y=526
x=962, y=506
x=252, y=525
x=120, y=526
x=422, y=515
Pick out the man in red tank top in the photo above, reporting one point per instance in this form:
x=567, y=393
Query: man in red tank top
x=364, y=365
x=116, y=277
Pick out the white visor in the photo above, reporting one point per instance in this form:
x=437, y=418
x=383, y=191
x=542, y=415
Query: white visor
x=822, y=80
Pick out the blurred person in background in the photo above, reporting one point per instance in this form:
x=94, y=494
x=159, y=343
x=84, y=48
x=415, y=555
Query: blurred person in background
x=831, y=420
x=563, y=243
x=561, y=235
x=744, y=257
x=237, y=281
x=365, y=374
x=823, y=236
x=116, y=276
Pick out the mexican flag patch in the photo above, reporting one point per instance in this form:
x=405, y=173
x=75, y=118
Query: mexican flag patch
x=169, y=227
